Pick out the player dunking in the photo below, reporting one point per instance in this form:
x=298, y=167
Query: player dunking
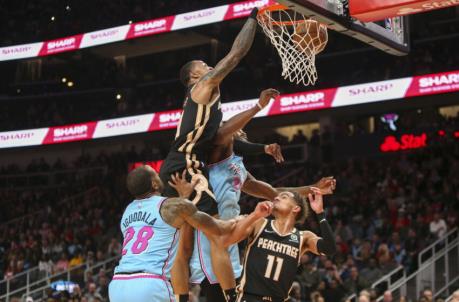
x=275, y=246
x=198, y=125
x=228, y=177
x=149, y=226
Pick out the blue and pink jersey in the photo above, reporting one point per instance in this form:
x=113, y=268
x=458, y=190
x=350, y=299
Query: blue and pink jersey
x=149, y=244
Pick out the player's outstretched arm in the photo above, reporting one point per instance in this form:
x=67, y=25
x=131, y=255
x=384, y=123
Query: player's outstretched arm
x=237, y=122
x=324, y=245
x=177, y=211
x=240, y=48
x=261, y=189
x=249, y=224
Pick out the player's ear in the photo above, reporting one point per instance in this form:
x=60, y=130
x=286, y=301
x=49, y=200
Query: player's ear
x=296, y=209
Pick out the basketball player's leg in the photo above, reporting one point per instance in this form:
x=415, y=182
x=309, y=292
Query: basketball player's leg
x=180, y=269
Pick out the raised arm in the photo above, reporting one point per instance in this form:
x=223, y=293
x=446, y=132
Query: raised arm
x=248, y=225
x=240, y=48
x=324, y=245
x=177, y=211
x=227, y=130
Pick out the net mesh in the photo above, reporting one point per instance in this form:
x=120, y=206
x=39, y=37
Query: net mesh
x=297, y=40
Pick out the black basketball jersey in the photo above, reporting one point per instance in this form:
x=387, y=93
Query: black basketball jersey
x=197, y=127
x=271, y=262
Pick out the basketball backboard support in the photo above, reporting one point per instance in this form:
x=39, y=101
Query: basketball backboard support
x=390, y=35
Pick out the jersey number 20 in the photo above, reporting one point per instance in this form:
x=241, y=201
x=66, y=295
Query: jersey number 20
x=269, y=267
x=141, y=243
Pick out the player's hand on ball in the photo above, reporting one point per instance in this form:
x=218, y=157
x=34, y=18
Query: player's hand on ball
x=326, y=185
x=266, y=96
x=316, y=200
x=181, y=185
x=275, y=151
x=263, y=209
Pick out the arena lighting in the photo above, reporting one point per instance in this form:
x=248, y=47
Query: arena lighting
x=441, y=132
x=68, y=8
x=130, y=22
x=64, y=80
x=118, y=96
x=70, y=84
x=53, y=18
x=456, y=134
x=18, y=90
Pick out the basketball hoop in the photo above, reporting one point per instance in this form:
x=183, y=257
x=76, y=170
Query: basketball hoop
x=296, y=38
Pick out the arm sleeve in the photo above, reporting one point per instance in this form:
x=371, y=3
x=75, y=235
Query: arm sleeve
x=325, y=245
x=247, y=148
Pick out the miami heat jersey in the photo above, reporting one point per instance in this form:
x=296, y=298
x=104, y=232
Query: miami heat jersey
x=271, y=262
x=197, y=127
x=150, y=244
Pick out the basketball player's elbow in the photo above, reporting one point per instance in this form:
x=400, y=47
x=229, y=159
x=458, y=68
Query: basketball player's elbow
x=326, y=247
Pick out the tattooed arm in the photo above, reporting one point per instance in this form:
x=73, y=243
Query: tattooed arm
x=204, y=89
x=177, y=211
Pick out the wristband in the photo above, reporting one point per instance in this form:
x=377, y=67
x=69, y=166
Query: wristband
x=254, y=13
x=321, y=217
x=259, y=106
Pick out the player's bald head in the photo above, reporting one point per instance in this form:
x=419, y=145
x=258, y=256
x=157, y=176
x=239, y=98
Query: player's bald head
x=141, y=181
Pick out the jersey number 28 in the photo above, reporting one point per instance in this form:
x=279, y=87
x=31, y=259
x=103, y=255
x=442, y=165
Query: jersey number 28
x=269, y=267
x=141, y=243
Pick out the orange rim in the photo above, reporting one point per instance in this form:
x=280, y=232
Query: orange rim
x=276, y=8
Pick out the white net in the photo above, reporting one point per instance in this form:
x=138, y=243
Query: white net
x=297, y=39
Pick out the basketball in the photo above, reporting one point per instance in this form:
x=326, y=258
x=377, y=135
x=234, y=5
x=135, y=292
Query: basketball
x=310, y=35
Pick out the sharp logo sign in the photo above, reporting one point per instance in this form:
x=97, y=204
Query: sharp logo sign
x=150, y=25
x=371, y=89
x=248, y=6
x=104, y=34
x=16, y=50
x=302, y=99
x=439, y=80
x=16, y=136
x=61, y=43
x=200, y=14
x=170, y=117
x=71, y=131
x=122, y=123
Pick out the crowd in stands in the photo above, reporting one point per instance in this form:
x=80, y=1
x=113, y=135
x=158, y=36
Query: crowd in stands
x=384, y=212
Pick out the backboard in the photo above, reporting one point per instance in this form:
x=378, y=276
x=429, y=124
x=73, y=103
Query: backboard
x=390, y=35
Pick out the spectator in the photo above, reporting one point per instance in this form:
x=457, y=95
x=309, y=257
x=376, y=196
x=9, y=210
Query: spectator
x=355, y=283
x=371, y=273
x=455, y=297
x=428, y=294
x=295, y=292
x=438, y=226
x=62, y=264
x=387, y=297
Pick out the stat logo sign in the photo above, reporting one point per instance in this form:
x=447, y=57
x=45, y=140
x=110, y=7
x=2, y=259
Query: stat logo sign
x=406, y=142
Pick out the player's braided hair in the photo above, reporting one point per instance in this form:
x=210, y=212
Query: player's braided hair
x=304, y=207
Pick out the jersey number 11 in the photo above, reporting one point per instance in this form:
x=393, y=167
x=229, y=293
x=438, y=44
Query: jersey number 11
x=269, y=267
